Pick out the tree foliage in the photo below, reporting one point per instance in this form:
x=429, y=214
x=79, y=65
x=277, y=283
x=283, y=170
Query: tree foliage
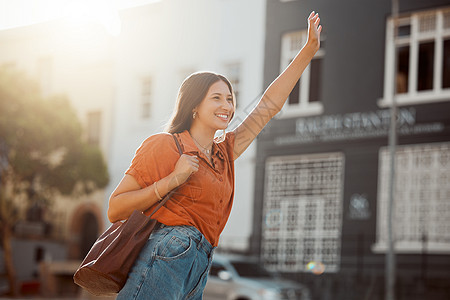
x=43, y=138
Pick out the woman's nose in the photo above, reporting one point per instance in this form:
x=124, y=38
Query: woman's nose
x=228, y=105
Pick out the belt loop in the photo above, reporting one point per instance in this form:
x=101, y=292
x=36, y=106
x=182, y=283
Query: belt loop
x=199, y=244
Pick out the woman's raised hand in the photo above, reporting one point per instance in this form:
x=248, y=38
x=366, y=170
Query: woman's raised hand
x=314, y=30
x=185, y=166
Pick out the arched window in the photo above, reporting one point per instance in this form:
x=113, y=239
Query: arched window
x=89, y=233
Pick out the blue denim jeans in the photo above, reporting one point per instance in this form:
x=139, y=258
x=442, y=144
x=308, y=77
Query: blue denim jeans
x=173, y=264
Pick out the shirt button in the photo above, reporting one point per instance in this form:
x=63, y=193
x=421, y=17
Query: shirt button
x=218, y=222
x=220, y=179
x=221, y=201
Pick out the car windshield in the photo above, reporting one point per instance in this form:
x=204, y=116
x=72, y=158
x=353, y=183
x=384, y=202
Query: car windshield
x=248, y=269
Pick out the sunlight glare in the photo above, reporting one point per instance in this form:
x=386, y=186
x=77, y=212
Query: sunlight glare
x=94, y=11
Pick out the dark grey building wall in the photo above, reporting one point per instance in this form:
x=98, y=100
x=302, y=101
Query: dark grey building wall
x=353, y=81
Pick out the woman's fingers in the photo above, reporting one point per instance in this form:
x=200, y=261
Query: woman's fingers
x=187, y=164
x=314, y=29
x=195, y=161
x=313, y=16
x=314, y=21
x=195, y=164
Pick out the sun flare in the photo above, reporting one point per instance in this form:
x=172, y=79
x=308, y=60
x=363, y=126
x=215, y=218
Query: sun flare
x=94, y=11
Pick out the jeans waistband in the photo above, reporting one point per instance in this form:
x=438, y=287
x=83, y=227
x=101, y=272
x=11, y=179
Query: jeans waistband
x=195, y=235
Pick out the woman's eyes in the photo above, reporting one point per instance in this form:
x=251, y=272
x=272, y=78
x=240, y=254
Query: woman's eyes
x=218, y=98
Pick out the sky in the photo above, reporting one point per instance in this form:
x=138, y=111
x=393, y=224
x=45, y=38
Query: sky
x=17, y=13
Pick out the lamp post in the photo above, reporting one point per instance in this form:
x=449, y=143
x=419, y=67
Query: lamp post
x=390, y=267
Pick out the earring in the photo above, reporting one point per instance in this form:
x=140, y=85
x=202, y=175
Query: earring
x=194, y=115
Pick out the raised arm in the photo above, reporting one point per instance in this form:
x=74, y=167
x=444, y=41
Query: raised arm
x=278, y=91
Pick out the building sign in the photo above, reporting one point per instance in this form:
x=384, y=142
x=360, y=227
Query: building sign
x=356, y=125
x=359, y=207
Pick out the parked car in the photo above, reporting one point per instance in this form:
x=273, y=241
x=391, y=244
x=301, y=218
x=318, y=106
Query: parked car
x=244, y=278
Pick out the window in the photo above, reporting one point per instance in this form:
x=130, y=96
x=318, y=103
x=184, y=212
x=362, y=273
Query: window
x=302, y=212
x=421, y=199
x=44, y=74
x=146, y=97
x=215, y=269
x=233, y=73
x=185, y=73
x=422, y=54
x=93, y=127
x=305, y=97
x=250, y=269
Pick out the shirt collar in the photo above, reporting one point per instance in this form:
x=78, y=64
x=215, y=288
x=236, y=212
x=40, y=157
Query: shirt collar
x=188, y=144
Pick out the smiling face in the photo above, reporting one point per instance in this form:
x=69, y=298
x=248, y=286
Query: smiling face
x=216, y=109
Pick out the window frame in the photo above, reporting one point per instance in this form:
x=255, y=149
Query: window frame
x=216, y=266
x=44, y=72
x=145, y=98
x=94, y=127
x=415, y=38
x=233, y=72
x=291, y=43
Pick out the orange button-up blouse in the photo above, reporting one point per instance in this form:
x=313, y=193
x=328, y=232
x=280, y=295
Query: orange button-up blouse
x=205, y=199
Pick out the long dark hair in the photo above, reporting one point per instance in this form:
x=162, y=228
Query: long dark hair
x=191, y=93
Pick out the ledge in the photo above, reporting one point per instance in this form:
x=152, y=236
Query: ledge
x=413, y=248
x=418, y=98
x=311, y=109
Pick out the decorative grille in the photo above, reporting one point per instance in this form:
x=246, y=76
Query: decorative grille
x=303, y=212
x=296, y=41
x=422, y=193
x=427, y=23
x=447, y=19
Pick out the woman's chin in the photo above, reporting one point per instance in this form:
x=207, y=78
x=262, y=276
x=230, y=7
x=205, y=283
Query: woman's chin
x=220, y=126
x=223, y=127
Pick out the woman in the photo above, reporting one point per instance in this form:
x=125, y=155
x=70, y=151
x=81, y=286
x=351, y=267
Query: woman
x=175, y=261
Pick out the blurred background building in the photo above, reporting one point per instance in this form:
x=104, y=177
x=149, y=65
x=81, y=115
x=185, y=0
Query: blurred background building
x=74, y=60
x=311, y=193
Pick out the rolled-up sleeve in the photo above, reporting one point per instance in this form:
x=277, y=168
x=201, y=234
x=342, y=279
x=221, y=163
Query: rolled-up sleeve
x=154, y=159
